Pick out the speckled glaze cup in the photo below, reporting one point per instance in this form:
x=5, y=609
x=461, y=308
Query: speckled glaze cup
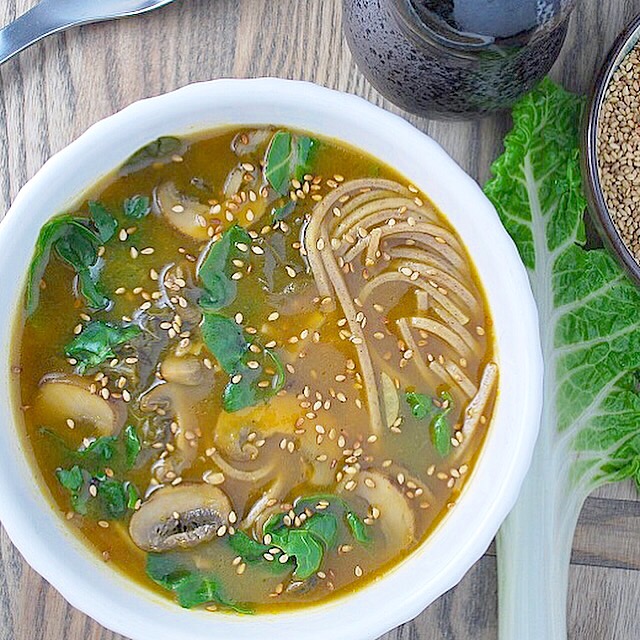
x=424, y=65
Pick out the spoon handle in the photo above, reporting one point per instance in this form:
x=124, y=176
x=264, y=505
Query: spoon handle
x=37, y=23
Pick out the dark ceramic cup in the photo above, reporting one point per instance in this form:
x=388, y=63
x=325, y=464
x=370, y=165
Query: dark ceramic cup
x=455, y=58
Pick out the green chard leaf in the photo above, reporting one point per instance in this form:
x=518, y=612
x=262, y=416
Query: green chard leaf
x=215, y=269
x=226, y=340
x=113, y=497
x=308, y=543
x=228, y=343
x=96, y=343
x=76, y=240
x=421, y=404
x=302, y=545
x=76, y=481
x=288, y=156
x=132, y=445
x=137, y=207
x=251, y=550
x=342, y=509
x=252, y=553
x=358, y=528
x=156, y=150
x=50, y=232
x=589, y=315
x=246, y=392
x=424, y=406
x=175, y=572
x=103, y=221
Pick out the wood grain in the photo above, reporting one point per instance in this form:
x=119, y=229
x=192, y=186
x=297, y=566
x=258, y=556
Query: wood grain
x=51, y=93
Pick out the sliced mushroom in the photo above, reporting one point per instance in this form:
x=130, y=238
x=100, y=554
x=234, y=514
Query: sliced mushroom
x=234, y=181
x=396, y=519
x=68, y=397
x=249, y=141
x=185, y=214
x=186, y=371
x=279, y=416
x=188, y=383
x=180, y=517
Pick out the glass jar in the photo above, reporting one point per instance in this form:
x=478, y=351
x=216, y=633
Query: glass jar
x=455, y=58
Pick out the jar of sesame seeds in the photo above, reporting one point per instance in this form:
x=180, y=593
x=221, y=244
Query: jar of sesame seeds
x=455, y=58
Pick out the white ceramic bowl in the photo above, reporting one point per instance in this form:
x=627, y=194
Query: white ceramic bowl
x=89, y=584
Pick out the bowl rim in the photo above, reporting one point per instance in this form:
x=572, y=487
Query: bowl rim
x=385, y=603
x=626, y=40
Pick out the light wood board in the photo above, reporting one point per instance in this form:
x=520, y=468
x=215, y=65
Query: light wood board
x=51, y=93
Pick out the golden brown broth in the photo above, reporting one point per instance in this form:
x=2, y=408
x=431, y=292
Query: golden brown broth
x=42, y=338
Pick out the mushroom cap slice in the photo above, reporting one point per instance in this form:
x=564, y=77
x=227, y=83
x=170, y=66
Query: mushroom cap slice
x=184, y=214
x=188, y=383
x=278, y=416
x=62, y=397
x=179, y=517
x=397, y=521
x=185, y=370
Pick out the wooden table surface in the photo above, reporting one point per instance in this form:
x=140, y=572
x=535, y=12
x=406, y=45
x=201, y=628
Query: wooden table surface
x=52, y=92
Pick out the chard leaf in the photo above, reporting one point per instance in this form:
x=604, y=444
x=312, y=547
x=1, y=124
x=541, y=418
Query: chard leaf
x=358, y=527
x=342, y=509
x=50, y=232
x=288, y=156
x=103, y=221
x=441, y=434
x=246, y=392
x=305, y=548
x=91, y=290
x=132, y=445
x=590, y=332
x=252, y=553
x=226, y=341
x=308, y=542
x=136, y=207
x=251, y=550
x=76, y=244
x=114, y=498
x=96, y=343
x=76, y=481
x=155, y=150
x=176, y=572
x=300, y=544
x=421, y=404
x=112, y=501
x=215, y=269
x=324, y=526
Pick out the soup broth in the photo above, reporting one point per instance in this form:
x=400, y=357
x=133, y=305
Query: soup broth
x=255, y=368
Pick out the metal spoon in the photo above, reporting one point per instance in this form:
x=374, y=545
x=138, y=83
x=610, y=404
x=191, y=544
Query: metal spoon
x=52, y=16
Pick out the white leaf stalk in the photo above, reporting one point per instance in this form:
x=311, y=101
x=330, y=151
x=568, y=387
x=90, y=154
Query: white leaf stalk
x=589, y=325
